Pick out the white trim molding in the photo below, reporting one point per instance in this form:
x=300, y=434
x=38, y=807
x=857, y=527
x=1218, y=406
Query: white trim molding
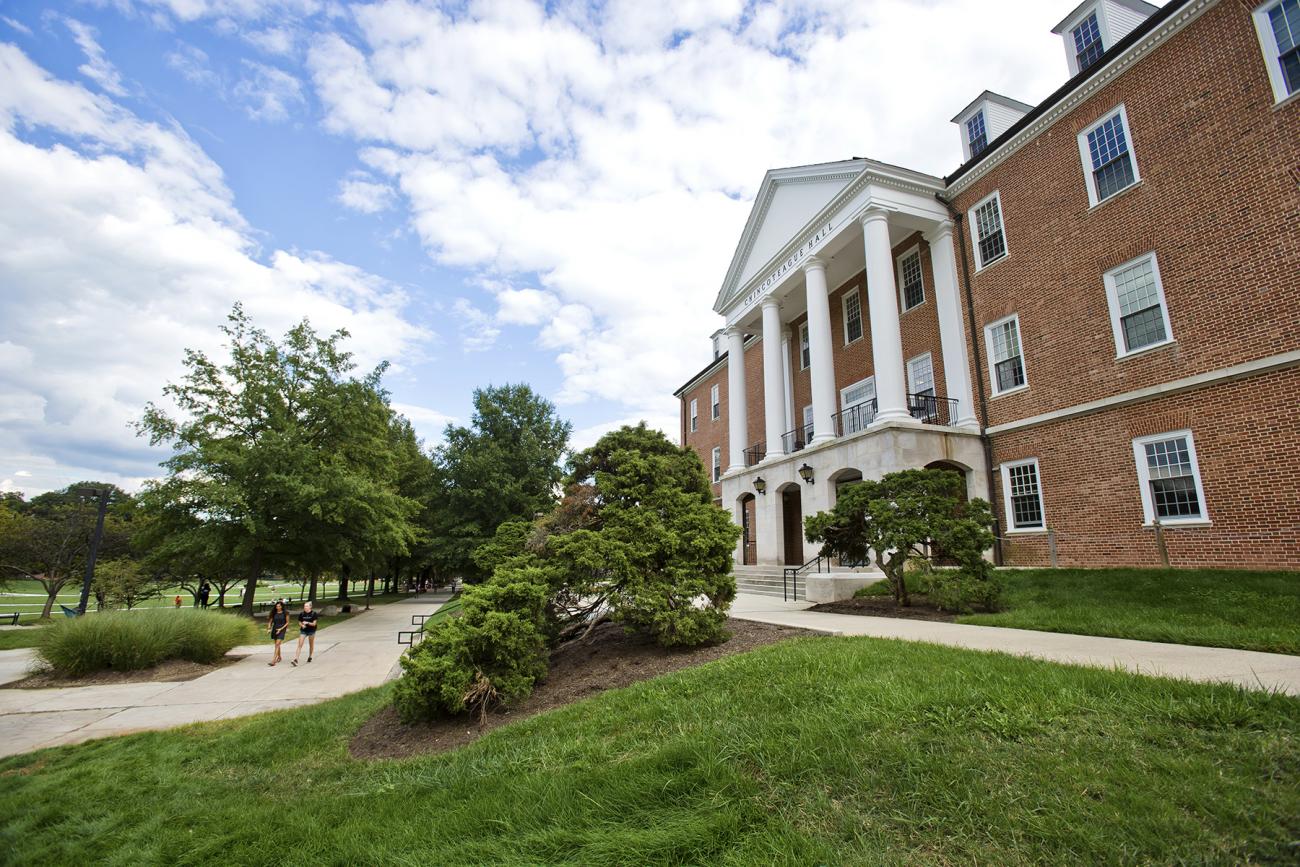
x=1272, y=53
x=1188, y=383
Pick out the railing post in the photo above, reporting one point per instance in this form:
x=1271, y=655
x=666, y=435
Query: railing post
x=1160, y=542
x=1051, y=546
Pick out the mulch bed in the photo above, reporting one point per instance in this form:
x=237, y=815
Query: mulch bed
x=884, y=606
x=172, y=671
x=607, y=659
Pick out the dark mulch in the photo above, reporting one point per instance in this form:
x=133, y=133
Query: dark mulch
x=607, y=659
x=884, y=606
x=172, y=671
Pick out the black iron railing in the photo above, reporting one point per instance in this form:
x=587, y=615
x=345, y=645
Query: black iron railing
x=790, y=578
x=755, y=453
x=931, y=409
x=855, y=418
x=793, y=441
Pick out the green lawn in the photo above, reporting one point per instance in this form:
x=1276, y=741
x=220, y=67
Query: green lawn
x=28, y=636
x=1211, y=607
x=815, y=751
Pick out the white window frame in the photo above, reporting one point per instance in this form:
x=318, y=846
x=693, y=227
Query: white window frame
x=715, y=402
x=988, y=352
x=965, y=127
x=804, y=339
x=695, y=414
x=1005, y=471
x=1112, y=299
x=1144, y=481
x=898, y=275
x=845, y=405
x=844, y=311
x=973, y=224
x=1268, y=45
x=929, y=359
x=1085, y=158
x=717, y=463
x=807, y=417
x=717, y=347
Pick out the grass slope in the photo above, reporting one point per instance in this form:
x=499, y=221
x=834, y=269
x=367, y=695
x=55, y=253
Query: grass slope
x=823, y=750
x=1210, y=607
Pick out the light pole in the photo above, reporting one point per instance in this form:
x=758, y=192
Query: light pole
x=94, y=545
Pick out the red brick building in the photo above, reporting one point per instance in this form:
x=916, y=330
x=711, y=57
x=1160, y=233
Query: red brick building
x=1095, y=318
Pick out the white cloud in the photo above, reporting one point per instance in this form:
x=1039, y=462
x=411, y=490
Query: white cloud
x=608, y=155
x=97, y=67
x=478, y=330
x=122, y=247
x=361, y=193
x=428, y=423
x=273, y=40
x=16, y=25
x=193, y=65
x=267, y=93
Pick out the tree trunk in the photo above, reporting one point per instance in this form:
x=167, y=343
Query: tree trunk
x=49, y=604
x=250, y=589
x=370, y=588
x=343, y=583
x=315, y=577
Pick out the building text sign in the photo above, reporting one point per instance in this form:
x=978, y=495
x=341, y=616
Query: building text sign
x=794, y=260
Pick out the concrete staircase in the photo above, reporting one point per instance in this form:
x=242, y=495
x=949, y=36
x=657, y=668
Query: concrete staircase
x=766, y=579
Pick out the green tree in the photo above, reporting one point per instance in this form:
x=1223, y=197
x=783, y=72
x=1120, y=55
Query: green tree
x=124, y=583
x=898, y=518
x=282, y=449
x=505, y=466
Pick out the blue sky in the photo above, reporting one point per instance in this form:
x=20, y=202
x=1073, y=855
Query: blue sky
x=481, y=192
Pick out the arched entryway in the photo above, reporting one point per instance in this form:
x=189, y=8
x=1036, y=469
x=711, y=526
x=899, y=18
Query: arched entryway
x=748, y=525
x=792, y=524
x=956, y=468
x=841, y=479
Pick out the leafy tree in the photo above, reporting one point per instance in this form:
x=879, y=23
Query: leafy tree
x=504, y=467
x=282, y=451
x=122, y=582
x=894, y=519
x=48, y=539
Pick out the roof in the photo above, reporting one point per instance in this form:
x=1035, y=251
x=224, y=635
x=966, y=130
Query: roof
x=1136, y=5
x=1136, y=35
x=990, y=96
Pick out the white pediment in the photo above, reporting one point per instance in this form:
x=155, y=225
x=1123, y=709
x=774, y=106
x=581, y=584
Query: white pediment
x=787, y=202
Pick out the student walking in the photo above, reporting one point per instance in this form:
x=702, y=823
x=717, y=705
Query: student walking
x=307, y=630
x=279, y=624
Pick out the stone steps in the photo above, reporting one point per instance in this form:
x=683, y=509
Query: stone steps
x=769, y=579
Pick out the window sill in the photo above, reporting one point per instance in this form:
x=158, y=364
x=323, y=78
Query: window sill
x=847, y=344
x=1174, y=525
x=1164, y=344
x=1113, y=196
x=922, y=304
x=1016, y=390
x=980, y=269
x=1287, y=102
x=1028, y=531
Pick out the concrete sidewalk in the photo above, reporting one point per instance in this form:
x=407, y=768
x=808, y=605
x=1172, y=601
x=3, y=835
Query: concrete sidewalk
x=350, y=656
x=1248, y=668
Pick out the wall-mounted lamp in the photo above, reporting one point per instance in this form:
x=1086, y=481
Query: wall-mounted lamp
x=806, y=473
x=760, y=485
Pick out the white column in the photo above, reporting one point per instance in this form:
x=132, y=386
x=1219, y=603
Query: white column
x=773, y=378
x=737, y=411
x=819, y=340
x=882, y=302
x=952, y=337
x=787, y=341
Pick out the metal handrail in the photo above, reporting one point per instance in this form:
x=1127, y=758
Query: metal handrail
x=855, y=418
x=795, y=440
x=932, y=409
x=790, y=577
x=755, y=453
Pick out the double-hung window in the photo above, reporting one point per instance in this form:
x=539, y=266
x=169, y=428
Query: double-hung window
x=1087, y=43
x=1138, y=314
x=1170, y=478
x=852, y=316
x=1006, y=359
x=1277, y=24
x=695, y=414
x=717, y=463
x=805, y=348
x=976, y=135
x=1023, y=495
x=716, y=401
x=857, y=406
x=920, y=376
x=1107, y=155
x=911, y=288
x=988, y=234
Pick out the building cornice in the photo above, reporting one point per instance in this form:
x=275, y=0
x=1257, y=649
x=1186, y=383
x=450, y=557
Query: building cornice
x=712, y=367
x=1020, y=134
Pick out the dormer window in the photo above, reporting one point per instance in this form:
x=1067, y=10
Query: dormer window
x=976, y=135
x=1087, y=43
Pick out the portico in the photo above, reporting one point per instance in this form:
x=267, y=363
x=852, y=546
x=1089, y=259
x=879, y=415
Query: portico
x=814, y=229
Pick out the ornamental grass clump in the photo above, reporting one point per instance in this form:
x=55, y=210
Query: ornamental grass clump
x=132, y=640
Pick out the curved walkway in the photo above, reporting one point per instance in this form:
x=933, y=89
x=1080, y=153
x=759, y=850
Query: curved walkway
x=358, y=653
x=1267, y=671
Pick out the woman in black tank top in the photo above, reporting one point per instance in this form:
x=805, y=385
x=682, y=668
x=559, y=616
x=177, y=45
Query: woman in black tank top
x=278, y=623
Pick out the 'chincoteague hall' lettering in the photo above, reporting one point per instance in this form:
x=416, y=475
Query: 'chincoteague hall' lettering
x=803, y=251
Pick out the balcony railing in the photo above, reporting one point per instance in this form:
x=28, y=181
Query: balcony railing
x=855, y=418
x=755, y=453
x=793, y=441
x=931, y=409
